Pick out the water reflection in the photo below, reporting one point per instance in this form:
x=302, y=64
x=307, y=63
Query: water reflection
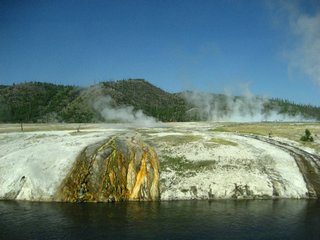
x=255, y=219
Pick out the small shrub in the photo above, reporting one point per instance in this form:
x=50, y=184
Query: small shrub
x=307, y=136
x=304, y=138
x=307, y=133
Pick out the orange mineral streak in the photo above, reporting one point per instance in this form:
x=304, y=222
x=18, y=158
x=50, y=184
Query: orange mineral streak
x=140, y=177
x=118, y=170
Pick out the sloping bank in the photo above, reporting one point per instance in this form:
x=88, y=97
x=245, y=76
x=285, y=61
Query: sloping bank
x=42, y=167
x=108, y=166
x=211, y=165
x=308, y=163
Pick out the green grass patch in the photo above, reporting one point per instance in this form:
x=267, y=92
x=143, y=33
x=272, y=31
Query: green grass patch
x=292, y=131
x=184, y=167
x=240, y=130
x=220, y=129
x=313, y=145
x=223, y=141
x=176, y=140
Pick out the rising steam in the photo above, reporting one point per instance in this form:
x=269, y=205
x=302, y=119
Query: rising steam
x=123, y=114
x=229, y=108
x=306, y=55
x=303, y=50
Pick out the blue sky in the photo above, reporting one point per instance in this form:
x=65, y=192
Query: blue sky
x=271, y=46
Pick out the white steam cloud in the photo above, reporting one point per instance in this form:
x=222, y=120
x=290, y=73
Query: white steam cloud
x=228, y=108
x=305, y=55
x=123, y=114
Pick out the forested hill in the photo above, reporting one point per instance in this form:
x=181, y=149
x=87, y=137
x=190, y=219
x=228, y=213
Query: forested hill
x=46, y=102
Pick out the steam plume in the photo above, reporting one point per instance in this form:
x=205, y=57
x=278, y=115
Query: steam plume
x=105, y=106
x=306, y=56
x=228, y=108
x=304, y=29
x=124, y=114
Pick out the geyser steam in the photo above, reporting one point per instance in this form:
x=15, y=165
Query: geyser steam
x=124, y=114
x=226, y=107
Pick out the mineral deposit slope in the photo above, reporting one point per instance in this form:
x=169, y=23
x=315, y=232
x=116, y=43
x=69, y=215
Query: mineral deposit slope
x=195, y=163
x=33, y=164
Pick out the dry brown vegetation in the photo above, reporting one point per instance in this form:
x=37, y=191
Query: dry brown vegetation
x=291, y=131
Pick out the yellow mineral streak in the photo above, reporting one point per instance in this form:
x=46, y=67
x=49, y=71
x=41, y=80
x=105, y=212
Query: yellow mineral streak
x=131, y=176
x=127, y=171
x=140, y=177
x=154, y=189
x=112, y=178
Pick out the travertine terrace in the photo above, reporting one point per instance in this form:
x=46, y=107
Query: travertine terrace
x=196, y=161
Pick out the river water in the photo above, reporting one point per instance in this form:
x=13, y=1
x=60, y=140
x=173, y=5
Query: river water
x=223, y=219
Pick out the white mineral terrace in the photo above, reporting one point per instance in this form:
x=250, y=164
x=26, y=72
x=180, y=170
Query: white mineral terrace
x=193, y=166
x=39, y=161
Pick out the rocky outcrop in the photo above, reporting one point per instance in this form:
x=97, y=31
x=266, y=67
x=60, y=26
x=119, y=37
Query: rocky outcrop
x=123, y=168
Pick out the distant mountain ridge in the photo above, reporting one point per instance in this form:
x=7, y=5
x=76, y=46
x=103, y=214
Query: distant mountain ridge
x=47, y=102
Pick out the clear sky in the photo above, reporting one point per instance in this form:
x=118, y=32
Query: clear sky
x=271, y=46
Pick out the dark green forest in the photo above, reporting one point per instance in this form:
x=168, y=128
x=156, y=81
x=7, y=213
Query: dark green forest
x=38, y=102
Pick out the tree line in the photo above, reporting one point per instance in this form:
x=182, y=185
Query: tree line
x=34, y=102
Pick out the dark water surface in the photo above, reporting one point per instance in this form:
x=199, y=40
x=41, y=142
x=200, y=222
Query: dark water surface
x=227, y=219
